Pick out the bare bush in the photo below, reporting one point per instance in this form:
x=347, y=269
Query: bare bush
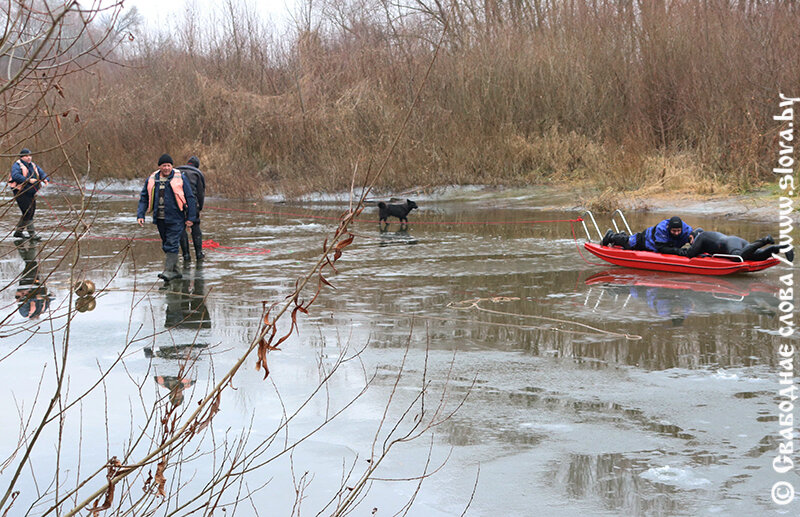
x=634, y=81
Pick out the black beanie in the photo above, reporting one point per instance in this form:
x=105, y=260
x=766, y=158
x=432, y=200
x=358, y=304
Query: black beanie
x=25, y=151
x=194, y=162
x=675, y=222
x=165, y=158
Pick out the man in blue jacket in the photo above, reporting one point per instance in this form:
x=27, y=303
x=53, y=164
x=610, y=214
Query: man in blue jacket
x=25, y=181
x=198, y=183
x=668, y=237
x=169, y=196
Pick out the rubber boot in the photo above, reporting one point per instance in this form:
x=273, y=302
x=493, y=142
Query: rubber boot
x=619, y=239
x=170, y=268
x=197, y=240
x=185, y=248
x=32, y=236
x=607, y=237
x=177, y=271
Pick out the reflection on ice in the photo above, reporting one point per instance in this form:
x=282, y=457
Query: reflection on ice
x=677, y=296
x=685, y=478
x=32, y=296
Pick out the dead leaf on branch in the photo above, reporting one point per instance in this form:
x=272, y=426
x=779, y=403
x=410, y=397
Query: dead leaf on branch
x=112, y=468
x=323, y=280
x=344, y=243
x=160, y=479
x=212, y=411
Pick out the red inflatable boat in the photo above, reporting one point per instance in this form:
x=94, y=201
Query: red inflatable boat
x=715, y=265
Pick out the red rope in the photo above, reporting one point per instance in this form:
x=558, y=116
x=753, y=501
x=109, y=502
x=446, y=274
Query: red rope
x=577, y=245
x=500, y=222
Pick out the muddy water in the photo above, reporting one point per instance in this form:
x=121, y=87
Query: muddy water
x=589, y=388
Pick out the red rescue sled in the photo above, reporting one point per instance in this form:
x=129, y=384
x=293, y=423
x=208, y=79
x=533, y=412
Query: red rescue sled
x=675, y=264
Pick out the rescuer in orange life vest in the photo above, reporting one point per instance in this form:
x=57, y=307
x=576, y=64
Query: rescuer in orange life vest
x=168, y=195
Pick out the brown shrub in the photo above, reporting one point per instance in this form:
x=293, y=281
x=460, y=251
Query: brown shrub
x=681, y=92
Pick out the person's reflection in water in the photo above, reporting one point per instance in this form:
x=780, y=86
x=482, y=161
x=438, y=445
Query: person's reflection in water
x=665, y=303
x=32, y=296
x=176, y=384
x=186, y=309
x=186, y=304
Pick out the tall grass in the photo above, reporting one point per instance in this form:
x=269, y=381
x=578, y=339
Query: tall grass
x=627, y=94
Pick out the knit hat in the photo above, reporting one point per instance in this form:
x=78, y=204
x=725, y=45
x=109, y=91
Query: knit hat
x=675, y=222
x=194, y=162
x=25, y=152
x=165, y=158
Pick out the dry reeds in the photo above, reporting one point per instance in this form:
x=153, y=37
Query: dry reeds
x=594, y=91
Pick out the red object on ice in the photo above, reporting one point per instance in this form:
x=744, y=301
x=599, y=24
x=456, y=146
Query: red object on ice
x=674, y=263
x=238, y=250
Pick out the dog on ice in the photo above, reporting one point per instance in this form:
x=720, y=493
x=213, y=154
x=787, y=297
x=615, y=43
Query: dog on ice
x=400, y=211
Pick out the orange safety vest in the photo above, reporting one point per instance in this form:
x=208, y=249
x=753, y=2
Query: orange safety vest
x=177, y=188
x=13, y=184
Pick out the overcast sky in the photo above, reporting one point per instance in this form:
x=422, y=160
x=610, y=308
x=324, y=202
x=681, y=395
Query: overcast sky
x=154, y=10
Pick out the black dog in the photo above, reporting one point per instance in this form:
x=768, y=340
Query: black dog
x=399, y=211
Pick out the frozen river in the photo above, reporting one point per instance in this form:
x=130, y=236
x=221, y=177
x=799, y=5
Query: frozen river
x=580, y=389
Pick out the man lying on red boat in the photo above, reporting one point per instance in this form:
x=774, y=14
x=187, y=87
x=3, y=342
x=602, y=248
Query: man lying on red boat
x=667, y=237
x=670, y=235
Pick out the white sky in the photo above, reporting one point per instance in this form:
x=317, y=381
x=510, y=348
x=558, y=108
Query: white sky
x=278, y=11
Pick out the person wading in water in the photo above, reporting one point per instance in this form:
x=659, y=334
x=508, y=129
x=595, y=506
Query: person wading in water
x=167, y=194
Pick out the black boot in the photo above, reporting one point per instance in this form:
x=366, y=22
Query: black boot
x=620, y=239
x=185, y=247
x=790, y=255
x=170, y=268
x=607, y=237
x=197, y=240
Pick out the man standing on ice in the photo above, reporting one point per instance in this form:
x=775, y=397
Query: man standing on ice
x=168, y=195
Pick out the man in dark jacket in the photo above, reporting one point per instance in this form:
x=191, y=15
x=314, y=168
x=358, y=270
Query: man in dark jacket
x=167, y=194
x=25, y=181
x=668, y=237
x=198, y=183
x=719, y=243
